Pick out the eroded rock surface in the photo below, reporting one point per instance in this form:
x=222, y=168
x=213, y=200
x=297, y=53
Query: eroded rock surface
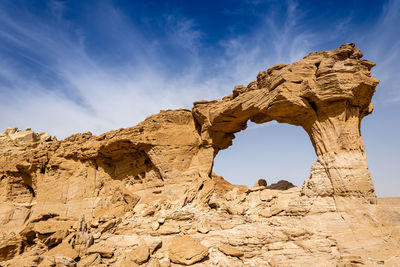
x=327, y=94
x=146, y=195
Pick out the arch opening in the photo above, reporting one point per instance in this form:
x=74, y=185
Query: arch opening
x=272, y=151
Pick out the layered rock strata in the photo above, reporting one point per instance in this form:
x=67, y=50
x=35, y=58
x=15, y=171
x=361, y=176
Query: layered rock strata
x=146, y=195
x=327, y=94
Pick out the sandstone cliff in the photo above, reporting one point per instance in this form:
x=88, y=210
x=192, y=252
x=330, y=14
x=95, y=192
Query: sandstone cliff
x=146, y=195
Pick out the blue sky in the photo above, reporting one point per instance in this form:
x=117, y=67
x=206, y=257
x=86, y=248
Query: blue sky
x=77, y=66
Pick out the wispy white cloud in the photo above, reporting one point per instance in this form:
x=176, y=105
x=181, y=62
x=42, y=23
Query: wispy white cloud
x=280, y=37
x=87, y=92
x=383, y=45
x=91, y=95
x=78, y=89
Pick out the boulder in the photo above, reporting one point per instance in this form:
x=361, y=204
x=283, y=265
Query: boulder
x=55, y=238
x=63, y=249
x=10, y=248
x=260, y=182
x=230, y=250
x=89, y=260
x=186, y=250
x=139, y=255
x=104, y=251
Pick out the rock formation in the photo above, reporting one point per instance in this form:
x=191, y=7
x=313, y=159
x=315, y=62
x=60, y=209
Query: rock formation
x=146, y=195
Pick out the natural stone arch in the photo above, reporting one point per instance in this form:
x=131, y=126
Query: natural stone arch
x=327, y=94
x=154, y=180
x=172, y=152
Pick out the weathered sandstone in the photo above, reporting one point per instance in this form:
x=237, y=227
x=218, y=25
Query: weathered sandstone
x=186, y=250
x=147, y=196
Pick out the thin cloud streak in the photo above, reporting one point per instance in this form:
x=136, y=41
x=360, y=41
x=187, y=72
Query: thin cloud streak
x=108, y=97
x=90, y=92
x=383, y=46
x=92, y=96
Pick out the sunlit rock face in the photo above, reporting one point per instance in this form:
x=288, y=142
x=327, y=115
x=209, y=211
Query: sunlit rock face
x=146, y=195
x=326, y=93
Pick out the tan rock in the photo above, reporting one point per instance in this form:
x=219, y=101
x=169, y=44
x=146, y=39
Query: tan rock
x=23, y=137
x=45, y=137
x=10, y=131
x=168, y=229
x=186, y=250
x=127, y=263
x=9, y=248
x=90, y=260
x=155, y=226
x=97, y=235
x=153, y=262
x=43, y=217
x=56, y=238
x=204, y=227
x=257, y=188
x=139, y=255
x=57, y=260
x=152, y=243
x=104, y=251
x=226, y=225
x=46, y=261
x=63, y=249
x=230, y=250
x=393, y=261
x=106, y=226
x=268, y=195
x=260, y=182
x=52, y=226
x=236, y=209
x=165, y=263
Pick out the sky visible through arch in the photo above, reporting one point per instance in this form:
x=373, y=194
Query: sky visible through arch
x=77, y=66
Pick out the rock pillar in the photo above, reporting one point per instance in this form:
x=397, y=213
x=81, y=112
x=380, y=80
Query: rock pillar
x=339, y=146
